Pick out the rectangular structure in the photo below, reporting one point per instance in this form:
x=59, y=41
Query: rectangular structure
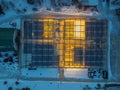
x=72, y=43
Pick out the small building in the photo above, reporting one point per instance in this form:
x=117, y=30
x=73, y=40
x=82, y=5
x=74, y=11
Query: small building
x=6, y=39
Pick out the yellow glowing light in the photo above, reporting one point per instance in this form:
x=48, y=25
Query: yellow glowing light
x=82, y=22
x=79, y=29
x=74, y=33
x=48, y=28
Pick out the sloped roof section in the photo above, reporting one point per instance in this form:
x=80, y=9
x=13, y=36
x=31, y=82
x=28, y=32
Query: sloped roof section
x=67, y=13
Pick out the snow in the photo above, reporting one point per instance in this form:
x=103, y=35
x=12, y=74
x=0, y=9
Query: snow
x=47, y=4
x=8, y=24
x=40, y=73
x=113, y=88
x=93, y=2
x=50, y=85
x=114, y=6
x=76, y=73
x=13, y=14
x=73, y=11
x=8, y=69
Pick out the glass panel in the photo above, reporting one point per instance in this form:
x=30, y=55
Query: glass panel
x=66, y=43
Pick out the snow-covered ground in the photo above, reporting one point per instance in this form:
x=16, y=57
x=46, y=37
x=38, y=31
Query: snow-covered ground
x=49, y=85
x=16, y=84
x=8, y=65
x=14, y=10
x=40, y=73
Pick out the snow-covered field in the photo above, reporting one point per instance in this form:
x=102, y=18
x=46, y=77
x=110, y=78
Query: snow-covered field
x=8, y=64
x=49, y=85
x=16, y=9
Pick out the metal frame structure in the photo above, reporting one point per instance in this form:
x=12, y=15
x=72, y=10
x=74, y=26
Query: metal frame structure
x=65, y=43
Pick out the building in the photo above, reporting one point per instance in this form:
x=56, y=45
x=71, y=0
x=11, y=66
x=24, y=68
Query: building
x=6, y=39
x=63, y=41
